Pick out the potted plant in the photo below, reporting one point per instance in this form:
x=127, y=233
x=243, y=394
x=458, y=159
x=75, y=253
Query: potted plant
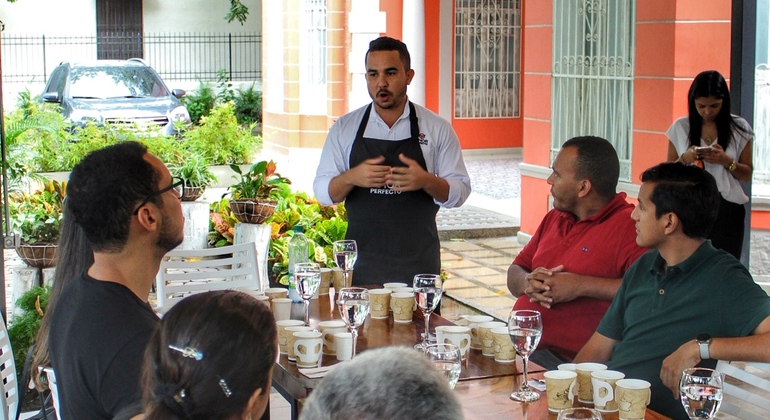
x=194, y=170
x=36, y=218
x=253, y=197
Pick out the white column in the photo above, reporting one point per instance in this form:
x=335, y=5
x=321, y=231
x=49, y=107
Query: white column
x=413, y=30
x=365, y=23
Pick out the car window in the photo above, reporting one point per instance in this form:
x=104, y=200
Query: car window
x=115, y=82
x=56, y=83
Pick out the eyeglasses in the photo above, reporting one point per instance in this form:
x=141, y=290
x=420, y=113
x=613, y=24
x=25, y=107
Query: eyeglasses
x=177, y=185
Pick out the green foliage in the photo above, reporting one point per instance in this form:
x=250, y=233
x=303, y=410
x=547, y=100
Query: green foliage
x=225, y=87
x=237, y=12
x=37, y=216
x=24, y=327
x=194, y=170
x=200, y=101
x=221, y=223
x=248, y=105
x=220, y=139
x=261, y=181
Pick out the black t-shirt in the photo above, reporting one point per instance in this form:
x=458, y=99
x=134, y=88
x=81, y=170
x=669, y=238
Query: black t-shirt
x=99, y=332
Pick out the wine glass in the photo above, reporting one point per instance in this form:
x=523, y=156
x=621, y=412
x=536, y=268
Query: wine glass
x=307, y=278
x=579, y=413
x=345, y=255
x=446, y=357
x=427, y=294
x=354, y=307
x=700, y=390
x=525, y=329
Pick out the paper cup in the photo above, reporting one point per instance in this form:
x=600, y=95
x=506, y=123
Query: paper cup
x=328, y=329
x=344, y=342
x=632, y=397
x=338, y=279
x=473, y=324
x=290, y=340
x=276, y=292
x=454, y=334
x=603, y=383
x=567, y=366
x=326, y=281
x=585, y=389
x=486, y=338
x=283, y=335
x=281, y=308
x=379, y=303
x=503, y=347
x=560, y=389
x=394, y=285
x=401, y=304
x=308, y=347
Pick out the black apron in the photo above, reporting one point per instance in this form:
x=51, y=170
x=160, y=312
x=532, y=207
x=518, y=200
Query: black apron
x=395, y=232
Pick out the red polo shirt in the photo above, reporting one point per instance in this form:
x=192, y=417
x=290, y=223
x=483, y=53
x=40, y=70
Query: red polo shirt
x=603, y=245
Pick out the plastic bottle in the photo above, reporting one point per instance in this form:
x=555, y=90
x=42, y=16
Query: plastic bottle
x=298, y=253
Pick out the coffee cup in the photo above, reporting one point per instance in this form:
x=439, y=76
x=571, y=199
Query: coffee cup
x=632, y=397
x=603, y=383
x=276, y=292
x=281, y=308
x=308, y=347
x=473, y=324
x=282, y=334
x=503, y=347
x=486, y=338
x=401, y=304
x=344, y=344
x=585, y=390
x=326, y=281
x=338, y=278
x=454, y=334
x=394, y=285
x=290, y=338
x=567, y=366
x=328, y=329
x=560, y=389
x=379, y=303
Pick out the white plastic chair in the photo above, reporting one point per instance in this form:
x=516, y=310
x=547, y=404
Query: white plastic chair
x=51, y=378
x=185, y=272
x=9, y=397
x=748, y=391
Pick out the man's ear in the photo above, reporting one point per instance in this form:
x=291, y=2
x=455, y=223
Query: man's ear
x=670, y=222
x=148, y=217
x=584, y=187
x=409, y=76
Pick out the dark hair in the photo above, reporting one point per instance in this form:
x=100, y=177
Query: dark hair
x=105, y=187
x=597, y=161
x=686, y=190
x=386, y=43
x=74, y=256
x=235, y=336
x=710, y=83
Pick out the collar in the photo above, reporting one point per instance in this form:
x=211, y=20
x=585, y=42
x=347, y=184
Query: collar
x=618, y=202
x=375, y=117
x=703, y=253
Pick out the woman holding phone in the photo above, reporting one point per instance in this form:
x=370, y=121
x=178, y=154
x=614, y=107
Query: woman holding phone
x=719, y=142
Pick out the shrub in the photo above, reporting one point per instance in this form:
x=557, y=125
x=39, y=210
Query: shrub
x=200, y=101
x=248, y=105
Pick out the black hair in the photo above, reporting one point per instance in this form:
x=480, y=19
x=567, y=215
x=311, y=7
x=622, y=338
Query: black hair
x=687, y=191
x=235, y=337
x=710, y=83
x=597, y=161
x=386, y=43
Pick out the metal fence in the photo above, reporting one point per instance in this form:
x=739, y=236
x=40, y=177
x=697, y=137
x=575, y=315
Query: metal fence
x=189, y=56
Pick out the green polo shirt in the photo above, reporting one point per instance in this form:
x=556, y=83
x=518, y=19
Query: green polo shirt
x=658, y=309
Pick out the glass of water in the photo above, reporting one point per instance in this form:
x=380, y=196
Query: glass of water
x=354, y=308
x=700, y=390
x=525, y=329
x=446, y=358
x=307, y=278
x=579, y=413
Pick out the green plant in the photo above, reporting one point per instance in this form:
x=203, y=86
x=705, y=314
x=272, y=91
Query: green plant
x=200, y=101
x=248, y=105
x=221, y=223
x=261, y=181
x=194, y=170
x=226, y=93
x=220, y=139
x=23, y=328
x=37, y=216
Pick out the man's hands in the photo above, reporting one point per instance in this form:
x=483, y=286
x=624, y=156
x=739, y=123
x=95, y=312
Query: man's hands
x=370, y=173
x=549, y=286
x=686, y=356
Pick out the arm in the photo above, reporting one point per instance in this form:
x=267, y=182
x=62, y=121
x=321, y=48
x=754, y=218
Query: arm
x=597, y=349
x=755, y=347
x=743, y=165
x=688, y=156
x=517, y=279
x=413, y=177
x=368, y=174
x=564, y=287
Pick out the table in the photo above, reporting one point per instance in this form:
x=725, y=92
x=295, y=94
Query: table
x=294, y=386
x=489, y=399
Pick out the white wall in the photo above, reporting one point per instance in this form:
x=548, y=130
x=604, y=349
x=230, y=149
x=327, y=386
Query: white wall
x=173, y=16
x=52, y=17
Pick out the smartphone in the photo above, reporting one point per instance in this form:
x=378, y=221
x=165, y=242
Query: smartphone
x=703, y=149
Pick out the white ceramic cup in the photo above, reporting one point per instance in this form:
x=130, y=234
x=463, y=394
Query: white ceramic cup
x=632, y=397
x=290, y=337
x=308, y=346
x=560, y=389
x=504, y=351
x=282, y=334
x=281, y=308
x=473, y=324
x=567, y=366
x=486, y=338
x=458, y=335
x=344, y=343
x=379, y=303
x=585, y=390
x=603, y=383
x=328, y=329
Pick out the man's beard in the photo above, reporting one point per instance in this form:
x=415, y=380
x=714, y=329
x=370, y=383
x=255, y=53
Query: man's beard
x=168, y=239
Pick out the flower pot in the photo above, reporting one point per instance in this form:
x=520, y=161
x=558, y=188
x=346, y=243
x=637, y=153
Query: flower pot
x=192, y=193
x=253, y=210
x=38, y=255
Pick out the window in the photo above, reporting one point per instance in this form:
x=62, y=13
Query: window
x=593, y=63
x=487, y=58
x=313, y=58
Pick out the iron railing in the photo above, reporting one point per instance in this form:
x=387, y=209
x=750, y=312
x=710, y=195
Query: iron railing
x=188, y=56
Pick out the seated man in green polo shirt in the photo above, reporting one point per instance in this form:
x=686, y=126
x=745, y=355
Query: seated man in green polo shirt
x=684, y=303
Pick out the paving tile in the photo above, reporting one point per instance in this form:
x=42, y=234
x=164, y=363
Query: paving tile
x=448, y=256
x=494, y=280
x=495, y=302
x=509, y=244
x=462, y=263
x=474, y=271
x=458, y=283
x=459, y=245
x=476, y=292
x=505, y=260
x=481, y=253
x=501, y=314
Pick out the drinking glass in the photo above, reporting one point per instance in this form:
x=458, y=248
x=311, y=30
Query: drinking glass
x=345, y=255
x=525, y=329
x=427, y=294
x=354, y=307
x=579, y=413
x=446, y=358
x=700, y=390
x=307, y=278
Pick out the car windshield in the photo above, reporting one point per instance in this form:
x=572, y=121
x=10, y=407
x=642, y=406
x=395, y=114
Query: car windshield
x=115, y=82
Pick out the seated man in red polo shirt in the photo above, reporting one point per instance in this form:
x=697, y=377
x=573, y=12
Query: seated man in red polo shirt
x=573, y=265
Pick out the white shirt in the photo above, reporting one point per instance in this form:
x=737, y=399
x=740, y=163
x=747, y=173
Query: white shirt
x=728, y=186
x=442, y=153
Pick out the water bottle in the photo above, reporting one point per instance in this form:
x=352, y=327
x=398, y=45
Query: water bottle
x=298, y=253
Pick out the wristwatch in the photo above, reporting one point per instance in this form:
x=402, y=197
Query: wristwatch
x=703, y=341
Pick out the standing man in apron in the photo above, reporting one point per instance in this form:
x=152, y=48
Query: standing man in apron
x=393, y=163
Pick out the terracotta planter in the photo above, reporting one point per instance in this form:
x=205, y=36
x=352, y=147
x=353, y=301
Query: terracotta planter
x=253, y=210
x=38, y=255
x=192, y=193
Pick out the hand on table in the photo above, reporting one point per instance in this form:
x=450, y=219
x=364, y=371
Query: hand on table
x=686, y=356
